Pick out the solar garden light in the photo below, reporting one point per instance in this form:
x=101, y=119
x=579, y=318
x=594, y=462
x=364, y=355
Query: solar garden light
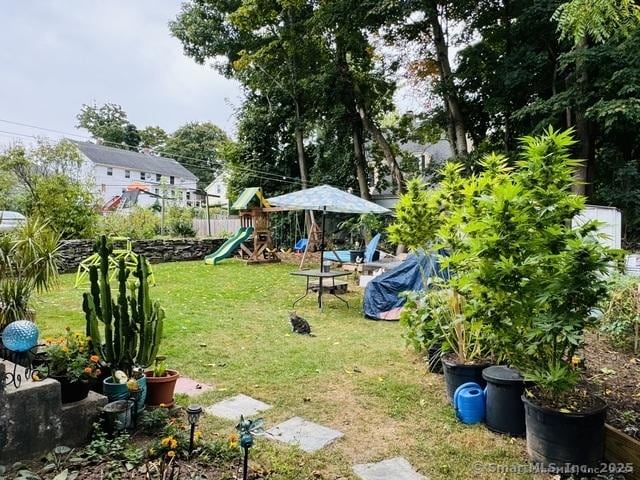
x=246, y=430
x=193, y=414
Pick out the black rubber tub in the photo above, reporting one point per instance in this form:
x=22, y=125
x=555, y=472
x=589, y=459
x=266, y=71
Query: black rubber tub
x=455, y=374
x=554, y=437
x=504, y=407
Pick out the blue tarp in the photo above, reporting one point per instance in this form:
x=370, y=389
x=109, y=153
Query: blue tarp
x=382, y=299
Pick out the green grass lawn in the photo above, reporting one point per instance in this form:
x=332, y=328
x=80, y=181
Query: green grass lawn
x=228, y=326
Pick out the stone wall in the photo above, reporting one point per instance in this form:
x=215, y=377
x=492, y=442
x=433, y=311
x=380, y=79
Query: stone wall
x=72, y=252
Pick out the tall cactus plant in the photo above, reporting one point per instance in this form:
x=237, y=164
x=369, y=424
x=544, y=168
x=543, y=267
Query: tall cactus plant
x=132, y=323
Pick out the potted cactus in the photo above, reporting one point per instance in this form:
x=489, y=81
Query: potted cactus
x=125, y=332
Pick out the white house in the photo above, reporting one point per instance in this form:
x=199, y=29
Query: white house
x=217, y=191
x=141, y=178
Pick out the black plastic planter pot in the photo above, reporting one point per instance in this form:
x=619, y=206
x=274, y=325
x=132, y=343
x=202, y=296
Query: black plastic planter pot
x=560, y=438
x=505, y=410
x=456, y=374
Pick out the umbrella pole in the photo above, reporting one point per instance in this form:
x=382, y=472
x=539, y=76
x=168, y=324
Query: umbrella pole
x=324, y=215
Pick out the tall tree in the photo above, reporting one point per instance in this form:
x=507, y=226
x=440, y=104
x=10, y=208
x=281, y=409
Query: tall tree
x=195, y=145
x=109, y=124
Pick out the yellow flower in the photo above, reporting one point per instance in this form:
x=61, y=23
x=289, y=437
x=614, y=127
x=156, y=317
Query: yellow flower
x=171, y=454
x=166, y=441
x=174, y=444
x=233, y=440
x=94, y=358
x=198, y=435
x=88, y=370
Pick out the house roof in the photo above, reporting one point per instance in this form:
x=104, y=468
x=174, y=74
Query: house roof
x=117, y=157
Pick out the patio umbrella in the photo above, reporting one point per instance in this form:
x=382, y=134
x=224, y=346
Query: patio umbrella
x=326, y=199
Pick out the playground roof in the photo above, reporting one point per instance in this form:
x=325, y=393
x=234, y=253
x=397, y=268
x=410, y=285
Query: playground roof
x=247, y=195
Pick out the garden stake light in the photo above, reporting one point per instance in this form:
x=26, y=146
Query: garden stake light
x=246, y=431
x=193, y=414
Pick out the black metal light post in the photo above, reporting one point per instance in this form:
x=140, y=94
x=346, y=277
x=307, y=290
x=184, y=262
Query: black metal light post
x=193, y=414
x=247, y=429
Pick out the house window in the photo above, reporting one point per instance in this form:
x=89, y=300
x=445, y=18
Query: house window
x=143, y=176
x=158, y=177
x=157, y=191
x=172, y=180
x=188, y=195
x=110, y=171
x=173, y=194
x=127, y=174
x=218, y=189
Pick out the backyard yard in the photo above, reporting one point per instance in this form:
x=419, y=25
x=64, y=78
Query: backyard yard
x=228, y=326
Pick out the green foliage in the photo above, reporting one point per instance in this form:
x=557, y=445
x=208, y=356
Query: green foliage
x=153, y=137
x=527, y=279
x=154, y=420
x=137, y=224
x=28, y=263
x=596, y=19
x=132, y=323
x=109, y=123
x=621, y=313
x=180, y=221
x=67, y=205
x=196, y=146
x=104, y=448
x=45, y=183
x=69, y=357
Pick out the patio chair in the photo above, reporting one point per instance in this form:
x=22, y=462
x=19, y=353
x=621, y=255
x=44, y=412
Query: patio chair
x=344, y=256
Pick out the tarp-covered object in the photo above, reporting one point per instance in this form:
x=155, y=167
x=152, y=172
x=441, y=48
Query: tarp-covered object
x=382, y=299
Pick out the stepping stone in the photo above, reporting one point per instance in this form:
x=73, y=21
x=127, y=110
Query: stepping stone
x=190, y=387
x=232, y=408
x=307, y=435
x=397, y=468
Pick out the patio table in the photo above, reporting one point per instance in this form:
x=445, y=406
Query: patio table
x=321, y=276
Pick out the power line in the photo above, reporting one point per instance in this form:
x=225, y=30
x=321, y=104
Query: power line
x=258, y=173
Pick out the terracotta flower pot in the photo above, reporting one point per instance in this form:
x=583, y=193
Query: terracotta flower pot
x=160, y=389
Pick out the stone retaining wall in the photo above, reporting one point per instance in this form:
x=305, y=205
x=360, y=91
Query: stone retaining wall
x=72, y=252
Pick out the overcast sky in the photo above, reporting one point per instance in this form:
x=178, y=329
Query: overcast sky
x=58, y=54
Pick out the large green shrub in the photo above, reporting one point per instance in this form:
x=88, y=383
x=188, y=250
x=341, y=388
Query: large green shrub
x=180, y=221
x=137, y=224
x=526, y=275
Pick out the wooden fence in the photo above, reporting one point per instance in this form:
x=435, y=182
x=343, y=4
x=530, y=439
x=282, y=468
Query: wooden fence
x=221, y=226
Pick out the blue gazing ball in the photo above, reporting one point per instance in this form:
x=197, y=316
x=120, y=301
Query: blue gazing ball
x=20, y=336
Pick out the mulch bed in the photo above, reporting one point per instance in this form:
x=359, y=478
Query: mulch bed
x=614, y=376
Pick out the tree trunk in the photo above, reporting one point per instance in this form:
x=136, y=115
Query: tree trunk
x=379, y=138
x=361, y=162
x=444, y=68
x=584, y=132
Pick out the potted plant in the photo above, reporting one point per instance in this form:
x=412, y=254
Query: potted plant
x=68, y=361
x=161, y=384
x=125, y=332
x=534, y=280
x=28, y=264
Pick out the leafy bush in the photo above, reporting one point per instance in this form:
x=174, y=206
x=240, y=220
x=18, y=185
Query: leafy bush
x=180, y=222
x=28, y=264
x=621, y=313
x=138, y=224
x=67, y=205
x=522, y=271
